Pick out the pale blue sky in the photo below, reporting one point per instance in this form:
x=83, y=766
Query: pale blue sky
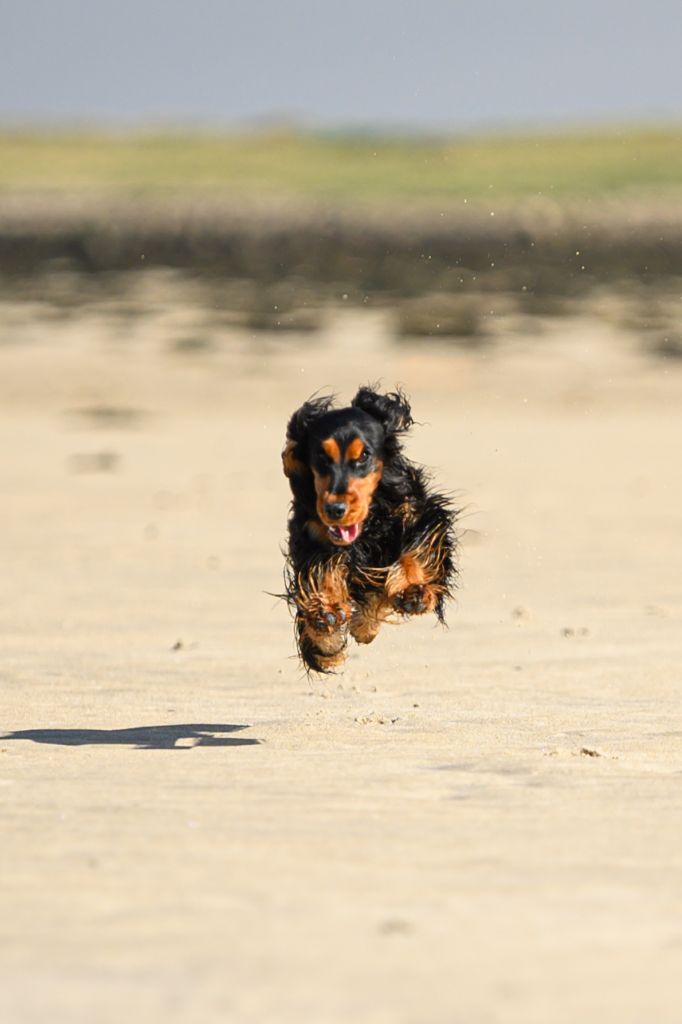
x=429, y=64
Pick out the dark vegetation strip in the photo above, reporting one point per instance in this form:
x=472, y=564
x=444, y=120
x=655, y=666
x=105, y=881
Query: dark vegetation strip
x=541, y=248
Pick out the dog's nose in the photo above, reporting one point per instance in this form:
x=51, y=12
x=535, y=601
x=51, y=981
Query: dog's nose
x=335, y=509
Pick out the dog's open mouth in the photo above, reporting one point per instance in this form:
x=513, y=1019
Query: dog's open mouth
x=345, y=534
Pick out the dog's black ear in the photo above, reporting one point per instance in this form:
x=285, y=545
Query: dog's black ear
x=392, y=410
x=294, y=459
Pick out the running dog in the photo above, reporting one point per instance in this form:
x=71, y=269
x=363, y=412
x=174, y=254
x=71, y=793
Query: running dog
x=369, y=539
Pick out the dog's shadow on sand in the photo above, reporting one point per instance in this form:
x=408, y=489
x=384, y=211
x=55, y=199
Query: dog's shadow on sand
x=145, y=737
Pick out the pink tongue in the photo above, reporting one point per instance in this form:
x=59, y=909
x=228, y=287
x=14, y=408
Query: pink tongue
x=348, y=533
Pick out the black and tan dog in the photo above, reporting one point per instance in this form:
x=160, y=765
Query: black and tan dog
x=367, y=537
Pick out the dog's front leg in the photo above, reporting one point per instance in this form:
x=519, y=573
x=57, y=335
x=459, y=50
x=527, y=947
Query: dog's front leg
x=410, y=588
x=422, y=577
x=323, y=614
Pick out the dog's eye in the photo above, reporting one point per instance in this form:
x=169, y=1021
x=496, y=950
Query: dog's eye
x=362, y=460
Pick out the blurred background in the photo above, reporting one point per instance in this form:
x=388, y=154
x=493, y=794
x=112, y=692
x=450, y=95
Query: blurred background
x=209, y=211
x=270, y=162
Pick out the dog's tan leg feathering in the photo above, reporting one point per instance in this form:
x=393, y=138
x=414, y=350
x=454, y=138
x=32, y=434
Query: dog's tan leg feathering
x=412, y=585
x=368, y=618
x=323, y=615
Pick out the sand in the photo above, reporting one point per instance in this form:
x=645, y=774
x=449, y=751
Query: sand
x=477, y=824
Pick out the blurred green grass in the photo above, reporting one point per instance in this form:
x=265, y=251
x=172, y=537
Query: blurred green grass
x=346, y=167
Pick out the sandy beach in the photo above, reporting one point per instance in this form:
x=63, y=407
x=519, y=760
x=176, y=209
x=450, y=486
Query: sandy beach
x=479, y=824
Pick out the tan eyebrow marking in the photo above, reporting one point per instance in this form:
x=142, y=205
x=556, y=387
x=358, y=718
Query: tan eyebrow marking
x=331, y=448
x=355, y=449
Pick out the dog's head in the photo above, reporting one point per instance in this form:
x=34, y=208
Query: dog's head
x=341, y=454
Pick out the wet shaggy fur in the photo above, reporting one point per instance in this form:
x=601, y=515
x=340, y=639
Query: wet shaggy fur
x=347, y=467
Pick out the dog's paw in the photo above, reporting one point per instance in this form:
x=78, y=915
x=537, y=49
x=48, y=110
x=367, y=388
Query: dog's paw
x=326, y=618
x=417, y=599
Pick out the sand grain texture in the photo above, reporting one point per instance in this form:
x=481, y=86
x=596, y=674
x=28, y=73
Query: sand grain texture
x=477, y=825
